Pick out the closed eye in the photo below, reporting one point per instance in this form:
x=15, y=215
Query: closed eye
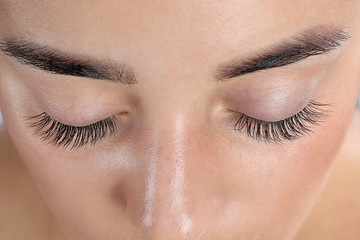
x=59, y=134
x=287, y=129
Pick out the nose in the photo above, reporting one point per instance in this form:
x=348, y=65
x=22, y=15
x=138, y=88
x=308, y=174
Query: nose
x=181, y=195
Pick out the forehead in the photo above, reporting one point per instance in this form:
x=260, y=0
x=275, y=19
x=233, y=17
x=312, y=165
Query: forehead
x=186, y=28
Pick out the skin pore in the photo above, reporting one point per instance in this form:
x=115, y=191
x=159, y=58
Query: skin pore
x=172, y=73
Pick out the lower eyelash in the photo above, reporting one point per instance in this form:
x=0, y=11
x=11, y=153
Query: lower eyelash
x=287, y=129
x=60, y=134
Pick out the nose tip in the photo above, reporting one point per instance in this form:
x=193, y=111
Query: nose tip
x=181, y=221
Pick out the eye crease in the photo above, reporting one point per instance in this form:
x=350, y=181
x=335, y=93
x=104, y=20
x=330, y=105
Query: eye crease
x=59, y=134
x=318, y=40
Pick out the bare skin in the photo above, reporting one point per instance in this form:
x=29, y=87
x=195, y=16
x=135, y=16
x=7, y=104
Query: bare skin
x=337, y=212
x=179, y=120
x=335, y=216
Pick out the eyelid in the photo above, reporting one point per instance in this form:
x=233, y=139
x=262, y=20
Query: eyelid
x=59, y=134
x=274, y=96
x=288, y=129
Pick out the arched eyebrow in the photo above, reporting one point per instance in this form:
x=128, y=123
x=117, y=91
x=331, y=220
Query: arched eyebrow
x=51, y=60
x=314, y=41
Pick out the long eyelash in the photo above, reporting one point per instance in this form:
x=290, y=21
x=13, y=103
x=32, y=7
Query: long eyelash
x=287, y=129
x=59, y=134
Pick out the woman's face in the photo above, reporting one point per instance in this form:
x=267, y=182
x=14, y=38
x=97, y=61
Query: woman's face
x=177, y=86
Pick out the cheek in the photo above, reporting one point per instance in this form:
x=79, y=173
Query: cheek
x=272, y=186
x=80, y=187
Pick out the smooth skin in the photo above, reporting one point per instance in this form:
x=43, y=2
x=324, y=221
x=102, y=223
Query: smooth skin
x=335, y=215
x=176, y=169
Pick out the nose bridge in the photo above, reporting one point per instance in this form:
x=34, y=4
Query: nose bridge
x=178, y=206
x=166, y=174
x=171, y=206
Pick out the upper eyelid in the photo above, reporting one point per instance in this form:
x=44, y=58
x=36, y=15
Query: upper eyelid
x=81, y=135
x=313, y=113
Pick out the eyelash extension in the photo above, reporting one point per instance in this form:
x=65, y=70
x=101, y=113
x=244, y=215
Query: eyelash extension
x=287, y=129
x=59, y=134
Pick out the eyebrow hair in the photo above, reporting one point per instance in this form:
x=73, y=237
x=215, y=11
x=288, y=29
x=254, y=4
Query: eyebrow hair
x=311, y=42
x=54, y=61
x=314, y=41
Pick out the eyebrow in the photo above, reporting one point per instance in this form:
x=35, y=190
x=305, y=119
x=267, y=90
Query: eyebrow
x=314, y=41
x=311, y=42
x=54, y=61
